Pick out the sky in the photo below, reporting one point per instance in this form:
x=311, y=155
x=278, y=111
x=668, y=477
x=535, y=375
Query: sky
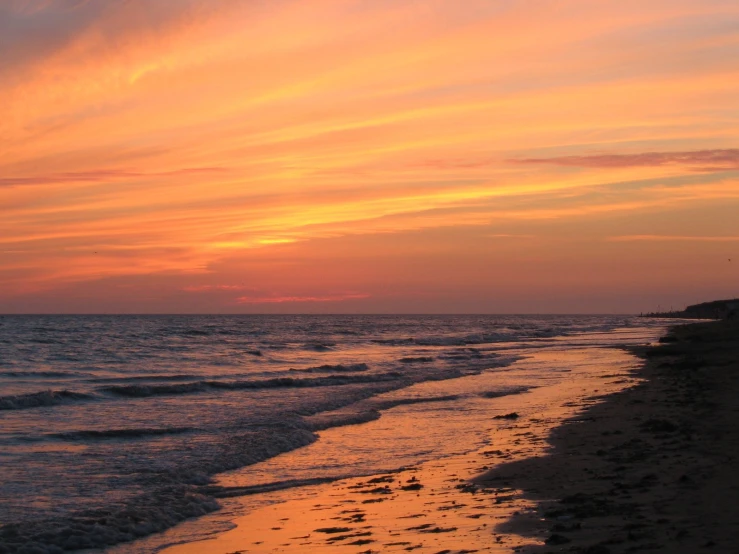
x=368, y=156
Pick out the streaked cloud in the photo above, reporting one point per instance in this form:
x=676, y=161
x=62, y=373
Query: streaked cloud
x=276, y=299
x=701, y=160
x=670, y=238
x=101, y=176
x=187, y=144
x=208, y=288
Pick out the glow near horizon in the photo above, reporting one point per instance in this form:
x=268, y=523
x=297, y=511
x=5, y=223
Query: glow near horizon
x=367, y=156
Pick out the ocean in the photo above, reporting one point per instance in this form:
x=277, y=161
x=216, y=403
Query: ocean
x=114, y=428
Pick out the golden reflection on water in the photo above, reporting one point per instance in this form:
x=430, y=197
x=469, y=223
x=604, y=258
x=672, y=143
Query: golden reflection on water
x=433, y=506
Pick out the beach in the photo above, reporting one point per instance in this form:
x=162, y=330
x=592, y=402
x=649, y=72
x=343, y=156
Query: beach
x=646, y=463
x=653, y=468
x=131, y=433
x=440, y=505
x=598, y=440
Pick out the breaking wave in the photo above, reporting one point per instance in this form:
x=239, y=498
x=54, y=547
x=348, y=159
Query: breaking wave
x=277, y=382
x=136, y=378
x=38, y=399
x=416, y=360
x=446, y=340
x=506, y=392
x=319, y=346
x=345, y=368
x=228, y=492
x=182, y=495
x=42, y=374
x=93, y=434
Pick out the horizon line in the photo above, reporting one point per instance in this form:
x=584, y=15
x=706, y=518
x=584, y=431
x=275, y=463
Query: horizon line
x=315, y=314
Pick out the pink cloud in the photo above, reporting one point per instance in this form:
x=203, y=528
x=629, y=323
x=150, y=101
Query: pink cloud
x=206, y=288
x=699, y=160
x=100, y=175
x=699, y=238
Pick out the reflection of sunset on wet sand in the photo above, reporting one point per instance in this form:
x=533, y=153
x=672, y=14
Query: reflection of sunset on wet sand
x=431, y=506
x=342, y=156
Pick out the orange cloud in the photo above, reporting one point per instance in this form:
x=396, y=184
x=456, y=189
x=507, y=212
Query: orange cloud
x=207, y=288
x=153, y=140
x=299, y=299
x=101, y=175
x=660, y=238
x=701, y=160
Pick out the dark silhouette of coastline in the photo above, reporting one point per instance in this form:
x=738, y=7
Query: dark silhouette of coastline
x=717, y=309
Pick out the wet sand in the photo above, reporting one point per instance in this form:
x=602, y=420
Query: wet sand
x=436, y=506
x=654, y=468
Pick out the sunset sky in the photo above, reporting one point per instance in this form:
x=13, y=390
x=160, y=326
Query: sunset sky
x=360, y=156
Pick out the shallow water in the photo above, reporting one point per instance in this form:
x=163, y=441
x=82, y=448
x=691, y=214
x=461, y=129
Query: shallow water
x=462, y=439
x=103, y=416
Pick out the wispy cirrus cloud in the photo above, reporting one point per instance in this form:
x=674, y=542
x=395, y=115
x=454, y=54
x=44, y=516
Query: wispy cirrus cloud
x=698, y=160
x=187, y=140
x=101, y=175
x=210, y=288
x=678, y=238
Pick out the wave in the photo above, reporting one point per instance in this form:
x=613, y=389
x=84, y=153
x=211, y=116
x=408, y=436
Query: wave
x=43, y=329
x=43, y=374
x=483, y=338
x=387, y=404
x=181, y=377
x=462, y=341
x=53, y=398
x=38, y=399
x=367, y=411
x=180, y=494
x=93, y=434
x=371, y=409
x=199, y=332
x=341, y=418
x=327, y=381
x=417, y=359
x=474, y=359
x=319, y=346
x=337, y=368
x=194, y=333
x=229, y=492
x=42, y=340
x=138, y=391
x=395, y=342
x=466, y=354
x=475, y=339
x=504, y=392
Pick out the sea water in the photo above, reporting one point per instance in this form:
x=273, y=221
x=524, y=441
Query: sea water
x=116, y=427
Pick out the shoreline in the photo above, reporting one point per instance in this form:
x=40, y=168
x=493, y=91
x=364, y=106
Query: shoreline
x=652, y=468
x=434, y=506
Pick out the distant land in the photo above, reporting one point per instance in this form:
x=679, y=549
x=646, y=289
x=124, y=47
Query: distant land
x=717, y=309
